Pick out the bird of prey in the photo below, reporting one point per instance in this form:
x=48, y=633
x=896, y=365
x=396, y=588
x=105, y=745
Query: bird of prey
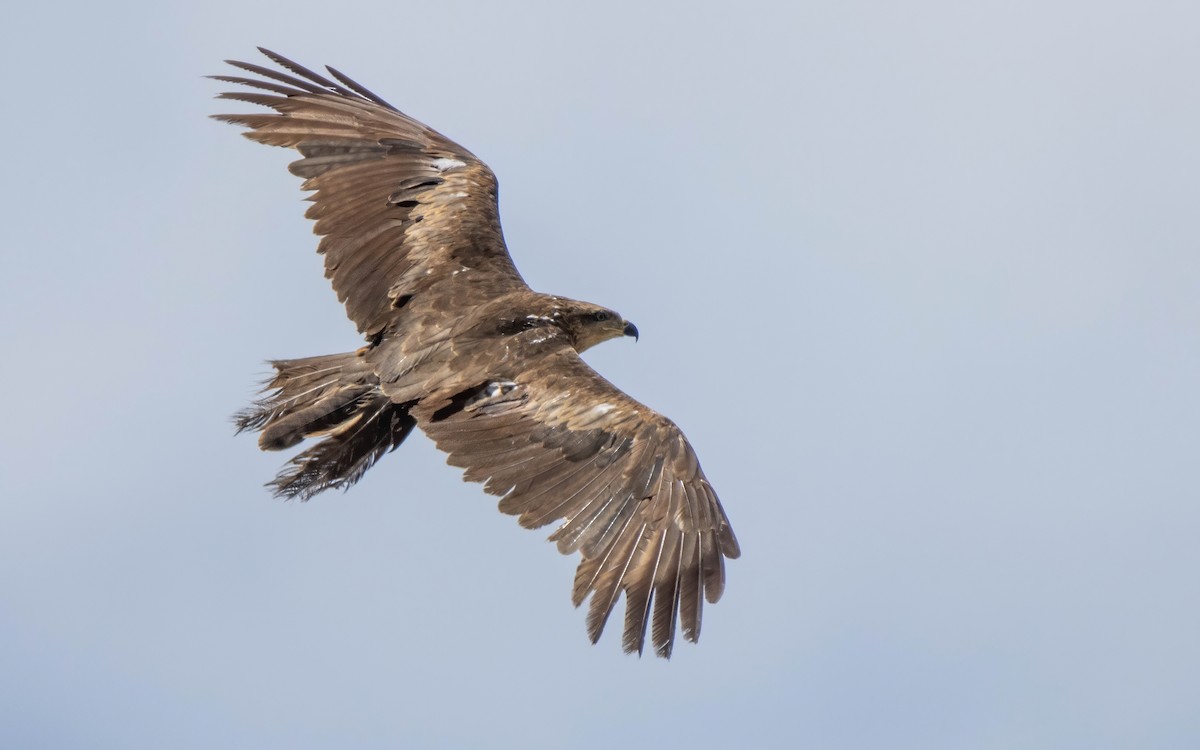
x=458, y=345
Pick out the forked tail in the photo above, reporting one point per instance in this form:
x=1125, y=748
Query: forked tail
x=337, y=399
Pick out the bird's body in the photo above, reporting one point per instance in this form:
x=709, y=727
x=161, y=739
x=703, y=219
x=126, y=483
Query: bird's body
x=460, y=346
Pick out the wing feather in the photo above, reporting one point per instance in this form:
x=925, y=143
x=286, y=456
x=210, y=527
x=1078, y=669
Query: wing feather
x=691, y=587
x=621, y=479
x=609, y=580
x=400, y=207
x=358, y=88
x=666, y=593
x=600, y=511
x=587, y=487
x=639, y=588
x=299, y=69
x=275, y=75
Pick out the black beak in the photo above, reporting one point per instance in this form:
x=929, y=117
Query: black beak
x=631, y=330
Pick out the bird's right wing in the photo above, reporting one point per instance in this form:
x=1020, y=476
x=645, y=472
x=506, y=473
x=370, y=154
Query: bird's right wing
x=399, y=206
x=558, y=442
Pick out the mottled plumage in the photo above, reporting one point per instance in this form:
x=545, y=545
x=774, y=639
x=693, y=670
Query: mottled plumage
x=460, y=346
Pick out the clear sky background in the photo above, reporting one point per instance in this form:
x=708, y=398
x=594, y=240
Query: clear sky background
x=921, y=282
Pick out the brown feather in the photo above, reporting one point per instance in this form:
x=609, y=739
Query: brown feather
x=666, y=593
x=460, y=346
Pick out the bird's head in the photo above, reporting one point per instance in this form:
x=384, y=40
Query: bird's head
x=590, y=324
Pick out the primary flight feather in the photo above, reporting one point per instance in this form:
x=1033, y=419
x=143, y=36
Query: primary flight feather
x=459, y=346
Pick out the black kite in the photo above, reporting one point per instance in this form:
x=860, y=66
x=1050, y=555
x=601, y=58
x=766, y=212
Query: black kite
x=461, y=347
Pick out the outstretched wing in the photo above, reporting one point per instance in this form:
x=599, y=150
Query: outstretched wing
x=559, y=442
x=400, y=207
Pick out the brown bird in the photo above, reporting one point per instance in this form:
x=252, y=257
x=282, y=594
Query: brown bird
x=460, y=346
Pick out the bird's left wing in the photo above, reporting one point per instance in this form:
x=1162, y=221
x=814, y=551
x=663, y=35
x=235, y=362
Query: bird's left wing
x=560, y=443
x=400, y=207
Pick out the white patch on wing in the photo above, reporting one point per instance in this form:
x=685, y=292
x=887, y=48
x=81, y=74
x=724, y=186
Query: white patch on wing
x=593, y=416
x=496, y=396
x=499, y=388
x=444, y=164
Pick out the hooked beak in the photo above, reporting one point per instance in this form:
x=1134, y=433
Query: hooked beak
x=631, y=330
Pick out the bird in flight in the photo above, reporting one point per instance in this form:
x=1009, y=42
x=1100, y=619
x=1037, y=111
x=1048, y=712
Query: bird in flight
x=458, y=345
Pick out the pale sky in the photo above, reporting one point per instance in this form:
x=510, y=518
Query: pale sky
x=920, y=281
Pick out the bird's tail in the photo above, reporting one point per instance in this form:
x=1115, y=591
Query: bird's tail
x=337, y=399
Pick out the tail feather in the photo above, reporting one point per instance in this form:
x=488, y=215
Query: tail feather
x=335, y=398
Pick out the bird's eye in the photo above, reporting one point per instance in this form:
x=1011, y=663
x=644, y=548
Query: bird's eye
x=600, y=317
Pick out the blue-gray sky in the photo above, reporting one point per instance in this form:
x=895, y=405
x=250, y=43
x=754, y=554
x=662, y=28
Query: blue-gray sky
x=920, y=281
